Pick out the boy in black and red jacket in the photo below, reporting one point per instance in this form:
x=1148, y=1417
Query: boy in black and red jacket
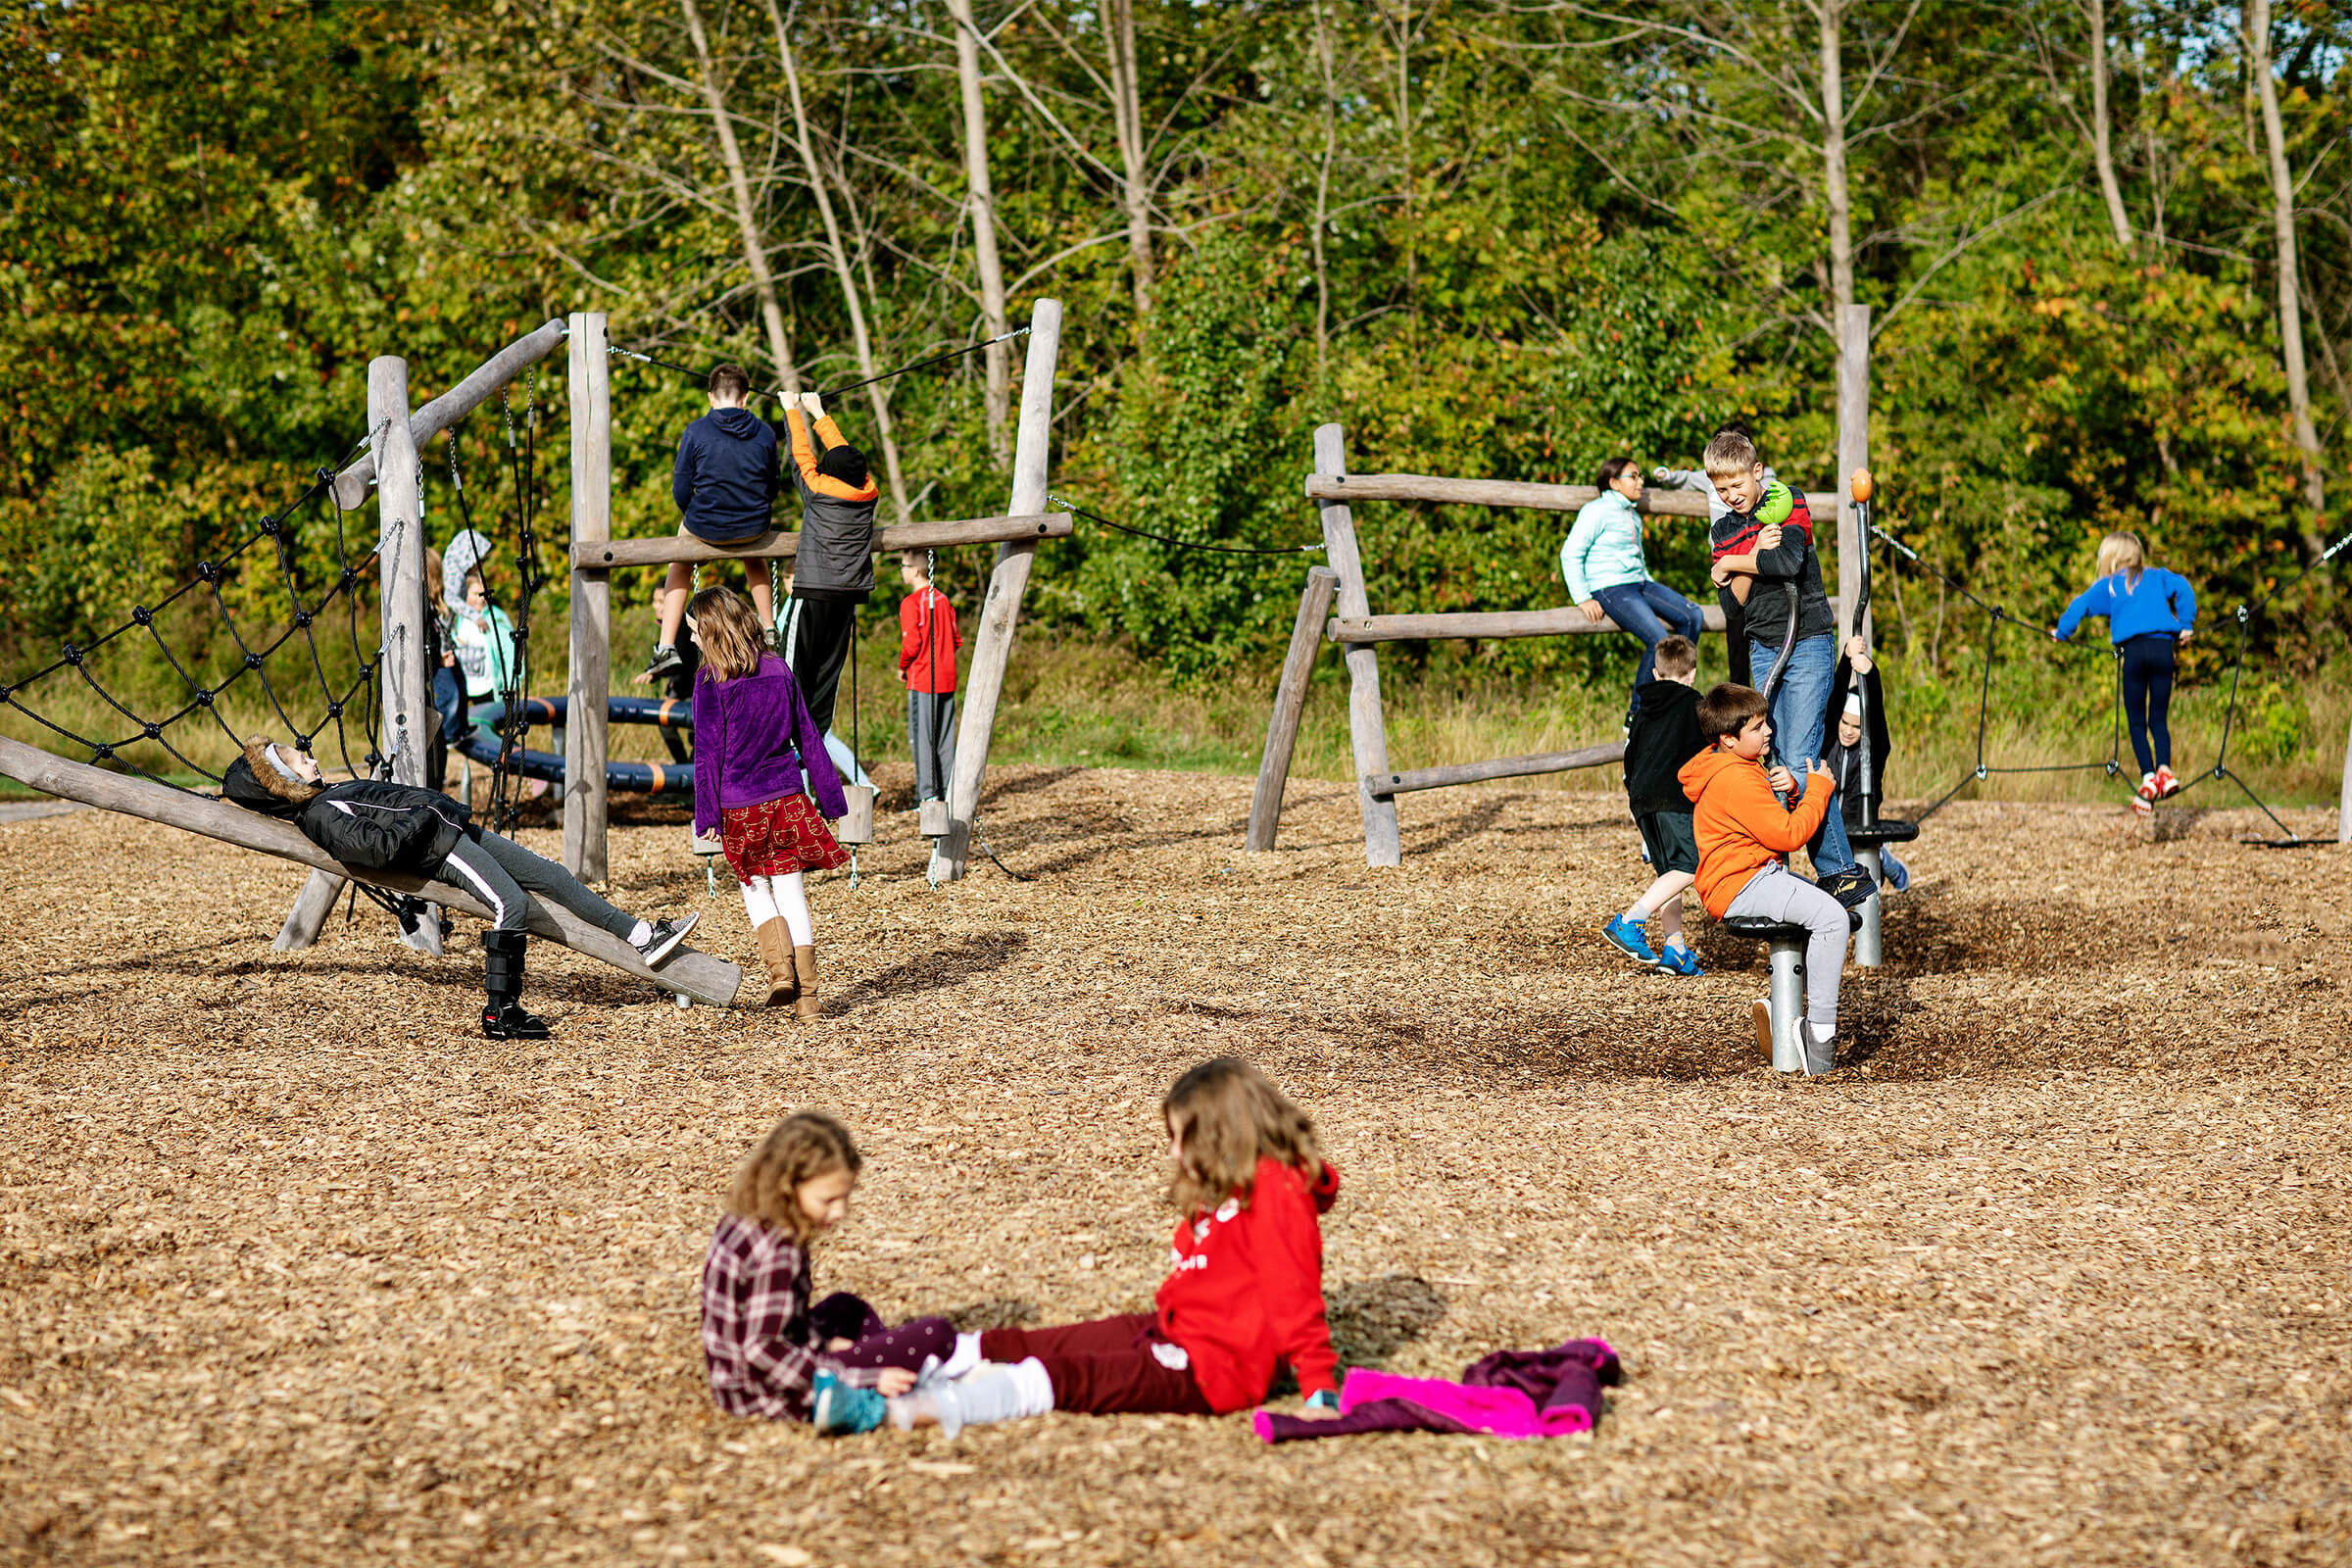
x=1783, y=574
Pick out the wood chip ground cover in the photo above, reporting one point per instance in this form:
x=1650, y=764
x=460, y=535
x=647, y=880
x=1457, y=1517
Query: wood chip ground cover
x=295, y=1268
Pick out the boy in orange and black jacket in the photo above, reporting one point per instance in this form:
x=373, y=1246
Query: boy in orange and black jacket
x=1743, y=831
x=834, y=571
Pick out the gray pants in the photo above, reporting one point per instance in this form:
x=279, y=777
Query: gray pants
x=503, y=874
x=1773, y=894
x=931, y=733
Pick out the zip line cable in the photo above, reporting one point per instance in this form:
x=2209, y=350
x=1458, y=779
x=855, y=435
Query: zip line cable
x=833, y=391
x=1170, y=539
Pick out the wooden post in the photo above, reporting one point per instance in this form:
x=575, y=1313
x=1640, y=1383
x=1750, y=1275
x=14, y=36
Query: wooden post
x=1853, y=451
x=406, y=729
x=2343, y=803
x=591, y=683
x=1366, y=729
x=309, y=915
x=1290, y=701
x=999, y=614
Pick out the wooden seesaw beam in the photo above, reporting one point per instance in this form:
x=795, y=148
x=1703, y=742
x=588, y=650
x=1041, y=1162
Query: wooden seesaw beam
x=690, y=973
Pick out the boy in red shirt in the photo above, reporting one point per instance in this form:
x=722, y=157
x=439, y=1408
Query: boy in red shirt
x=927, y=645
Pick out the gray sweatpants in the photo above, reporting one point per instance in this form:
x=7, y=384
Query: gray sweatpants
x=503, y=874
x=931, y=735
x=1774, y=894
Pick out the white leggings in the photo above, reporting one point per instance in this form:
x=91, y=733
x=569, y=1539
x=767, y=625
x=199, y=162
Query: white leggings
x=767, y=898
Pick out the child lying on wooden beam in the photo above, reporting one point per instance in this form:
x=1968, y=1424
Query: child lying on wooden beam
x=376, y=825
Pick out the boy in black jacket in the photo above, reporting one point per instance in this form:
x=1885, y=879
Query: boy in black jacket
x=1664, y=735
x=834, y=571
x=376, y=825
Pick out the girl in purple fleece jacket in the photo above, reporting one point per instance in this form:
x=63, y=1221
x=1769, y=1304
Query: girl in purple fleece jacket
x=752, y=737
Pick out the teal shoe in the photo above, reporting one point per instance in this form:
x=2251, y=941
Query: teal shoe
x=1679, y=960
x=1629, y=939
x=841, y=1411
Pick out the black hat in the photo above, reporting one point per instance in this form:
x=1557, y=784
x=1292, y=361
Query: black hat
x=843, y=463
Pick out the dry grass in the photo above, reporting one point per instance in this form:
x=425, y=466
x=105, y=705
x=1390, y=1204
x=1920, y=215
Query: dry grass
x=295, y=1268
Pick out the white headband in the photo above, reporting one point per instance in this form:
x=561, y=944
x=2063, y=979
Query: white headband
x=283, y=771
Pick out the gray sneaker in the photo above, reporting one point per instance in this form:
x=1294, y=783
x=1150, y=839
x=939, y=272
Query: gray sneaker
x=665, y=662
x=1820, y=1057
x=664, y=937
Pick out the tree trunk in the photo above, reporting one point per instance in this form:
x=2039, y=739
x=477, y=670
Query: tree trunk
x=983, y=201
x=2290, y=293
x=1833, y=159
x=1127, y=114
x=1331, y=142
x=2102, y=151
x=747, y=215
x=838, y=253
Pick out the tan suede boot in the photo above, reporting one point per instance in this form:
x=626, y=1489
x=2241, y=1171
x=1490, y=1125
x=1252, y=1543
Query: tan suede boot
x=803, y=964
x=775, y=952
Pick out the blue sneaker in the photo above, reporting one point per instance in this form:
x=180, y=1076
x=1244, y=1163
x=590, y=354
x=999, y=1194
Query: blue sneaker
x=840, y=1410
x=1629, y=939
x=1679, y=960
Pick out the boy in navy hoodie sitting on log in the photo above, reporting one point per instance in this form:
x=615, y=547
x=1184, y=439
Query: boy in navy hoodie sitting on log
x=725, y=487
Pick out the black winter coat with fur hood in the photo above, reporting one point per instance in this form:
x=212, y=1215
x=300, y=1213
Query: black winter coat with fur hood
x=368, y=824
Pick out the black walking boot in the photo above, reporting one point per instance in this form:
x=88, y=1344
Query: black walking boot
x=502, y=1018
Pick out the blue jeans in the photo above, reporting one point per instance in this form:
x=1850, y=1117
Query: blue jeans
x=2149, y=697
x=449, y=701
x=1652, y=612
x=1799, y=709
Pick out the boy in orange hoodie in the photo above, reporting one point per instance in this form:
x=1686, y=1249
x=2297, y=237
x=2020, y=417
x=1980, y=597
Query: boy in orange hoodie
x=1743, y=831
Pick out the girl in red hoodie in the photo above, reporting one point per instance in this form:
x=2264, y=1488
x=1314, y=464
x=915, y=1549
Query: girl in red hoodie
x=1246, y=1294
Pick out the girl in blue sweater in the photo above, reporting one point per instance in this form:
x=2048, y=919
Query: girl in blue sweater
x=2151, y=613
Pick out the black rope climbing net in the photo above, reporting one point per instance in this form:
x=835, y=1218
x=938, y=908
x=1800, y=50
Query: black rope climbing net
x=1997, y=615
x=521, y=518
x=305, y=602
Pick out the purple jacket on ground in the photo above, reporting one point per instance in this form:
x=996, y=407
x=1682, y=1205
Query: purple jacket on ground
x=752, y=738
x=1511, y=1394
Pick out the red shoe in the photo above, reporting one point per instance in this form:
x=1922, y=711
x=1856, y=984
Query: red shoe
x=2167, y=786
x=2143, y=800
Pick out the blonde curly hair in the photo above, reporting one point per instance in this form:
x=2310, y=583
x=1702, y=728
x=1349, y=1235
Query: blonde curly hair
x=798, y=1149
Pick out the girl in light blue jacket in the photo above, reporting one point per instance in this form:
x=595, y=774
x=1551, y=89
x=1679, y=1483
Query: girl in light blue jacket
x=1608, y=580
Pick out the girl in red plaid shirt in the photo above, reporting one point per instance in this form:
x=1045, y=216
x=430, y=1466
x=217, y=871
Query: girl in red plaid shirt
x=832, y=1363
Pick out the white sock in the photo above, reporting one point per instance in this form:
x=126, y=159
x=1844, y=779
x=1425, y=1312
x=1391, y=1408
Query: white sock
x=1637, y=916
x=1822, y=1033
x=792, y=901
x=640, y=931
x=966, y=1356
x=1036, y=1385
x=758, y=904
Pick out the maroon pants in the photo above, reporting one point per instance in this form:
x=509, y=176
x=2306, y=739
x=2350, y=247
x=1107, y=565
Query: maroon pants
x=843, y=1316
x=1106, y=1367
